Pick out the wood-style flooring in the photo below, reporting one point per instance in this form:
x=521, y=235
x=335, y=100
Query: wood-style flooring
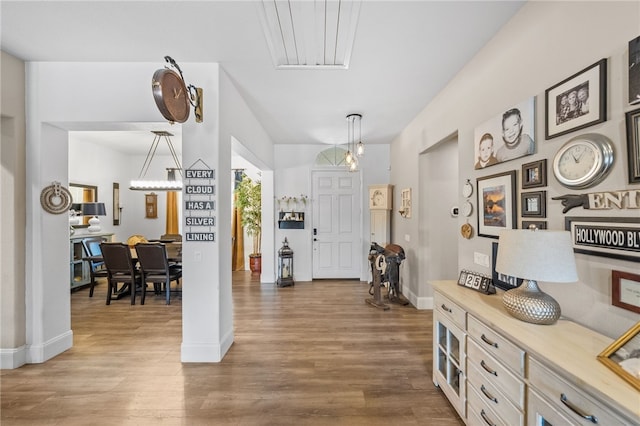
x=312, y=354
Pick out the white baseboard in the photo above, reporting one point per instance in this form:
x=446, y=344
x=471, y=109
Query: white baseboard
x=37, y=354
x=195, y=352
x=419, y=302
x=13, y=358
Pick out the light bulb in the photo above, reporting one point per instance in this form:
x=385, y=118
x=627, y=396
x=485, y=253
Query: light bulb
x=349, y=158
x=360, y=149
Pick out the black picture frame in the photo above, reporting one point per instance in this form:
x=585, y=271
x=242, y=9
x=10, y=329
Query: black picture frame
x=497, y=205
x=116, y=203
x=534, y=224
x=562, y=118
x=632, y=119
x=505, y=282
x=534, y=174
x=634, y=71
x=534, y=204
x=587, y=236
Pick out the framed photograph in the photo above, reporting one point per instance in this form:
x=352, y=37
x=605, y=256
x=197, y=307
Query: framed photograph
x=625, y=290
x=534, y=224
x=534, y=204
x=577, y=102
x=507, y=136
x=623, y=356
x=496, y=203
x=505, y=282
x=151, y=206
x=614, y=237
x=634, y=71
x=534, y=174
x=116, y=203
x=633, y=144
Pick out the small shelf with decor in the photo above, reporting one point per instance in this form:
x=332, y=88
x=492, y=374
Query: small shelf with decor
x=291, y=220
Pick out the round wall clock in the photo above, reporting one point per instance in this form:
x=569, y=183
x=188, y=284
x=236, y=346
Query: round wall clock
x=171, y=96
x=583, y=161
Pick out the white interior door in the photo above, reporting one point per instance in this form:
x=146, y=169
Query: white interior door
x=336, y=224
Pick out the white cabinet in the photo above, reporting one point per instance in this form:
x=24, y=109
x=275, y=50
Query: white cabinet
x=514, y=373
x=449, y=352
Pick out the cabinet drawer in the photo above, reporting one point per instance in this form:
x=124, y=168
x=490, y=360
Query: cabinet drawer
x=539, y=412
x=492, y=371
x=568, y=399
x=493, y=397
x=479, y=413
x=450, y=310
x=511, y=355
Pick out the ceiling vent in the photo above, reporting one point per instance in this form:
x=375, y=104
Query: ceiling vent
x=310, y=34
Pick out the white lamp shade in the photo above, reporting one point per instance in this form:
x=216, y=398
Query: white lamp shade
x=540, y=255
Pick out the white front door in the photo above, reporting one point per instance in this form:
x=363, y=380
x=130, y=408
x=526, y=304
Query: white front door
x=336, y=224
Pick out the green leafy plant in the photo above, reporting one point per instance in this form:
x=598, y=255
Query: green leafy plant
x=249, y=202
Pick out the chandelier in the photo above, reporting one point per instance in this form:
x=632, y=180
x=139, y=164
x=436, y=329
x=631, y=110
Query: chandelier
x=355, y=149
x=171, y=184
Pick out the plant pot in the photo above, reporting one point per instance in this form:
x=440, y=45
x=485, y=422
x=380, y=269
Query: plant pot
x=255, y=263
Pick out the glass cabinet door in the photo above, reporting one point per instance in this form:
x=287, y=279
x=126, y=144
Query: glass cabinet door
x=448, y=360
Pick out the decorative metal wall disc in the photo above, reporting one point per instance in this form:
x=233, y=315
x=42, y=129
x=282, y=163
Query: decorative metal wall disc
x=55, y=198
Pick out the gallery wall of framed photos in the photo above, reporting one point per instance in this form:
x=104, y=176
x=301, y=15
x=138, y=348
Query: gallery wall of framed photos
x=517, y=197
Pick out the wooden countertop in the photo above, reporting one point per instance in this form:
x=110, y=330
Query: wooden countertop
x=566, y=347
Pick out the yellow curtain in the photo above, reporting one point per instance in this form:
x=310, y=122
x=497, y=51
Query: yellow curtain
x=237, y=239
x=172, y=213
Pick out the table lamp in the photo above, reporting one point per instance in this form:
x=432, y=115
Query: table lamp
x=95, y=210
x=535, y=255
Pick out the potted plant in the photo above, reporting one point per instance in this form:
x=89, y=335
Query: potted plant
x=249, y=203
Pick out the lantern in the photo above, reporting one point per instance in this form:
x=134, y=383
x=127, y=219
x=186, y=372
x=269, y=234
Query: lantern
x=285, y=267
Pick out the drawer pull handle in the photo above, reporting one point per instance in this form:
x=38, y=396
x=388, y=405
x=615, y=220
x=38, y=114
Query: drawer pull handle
x=578, y=411
x=443, y=306
x=488, y=395
x=487, y=369
x=489, y=342
x=486, y=419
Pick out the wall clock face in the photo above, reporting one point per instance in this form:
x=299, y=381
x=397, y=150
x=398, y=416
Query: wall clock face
x=583, y=161
x=171, y=96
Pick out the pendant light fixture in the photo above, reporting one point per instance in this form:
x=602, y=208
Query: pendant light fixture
x=171, y=184
x=354, y=149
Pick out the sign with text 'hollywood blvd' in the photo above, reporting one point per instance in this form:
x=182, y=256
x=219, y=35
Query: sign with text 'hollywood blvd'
x=616, y=237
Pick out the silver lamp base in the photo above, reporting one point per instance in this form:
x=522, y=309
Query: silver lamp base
x=529, y=304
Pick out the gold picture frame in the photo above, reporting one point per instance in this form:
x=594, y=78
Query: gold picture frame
x=151, y=206
x=620, y=352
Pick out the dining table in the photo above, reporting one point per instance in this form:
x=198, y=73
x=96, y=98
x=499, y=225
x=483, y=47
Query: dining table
x=174, y=256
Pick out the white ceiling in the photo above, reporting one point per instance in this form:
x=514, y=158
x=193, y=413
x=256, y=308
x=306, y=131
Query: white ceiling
x=404, y=53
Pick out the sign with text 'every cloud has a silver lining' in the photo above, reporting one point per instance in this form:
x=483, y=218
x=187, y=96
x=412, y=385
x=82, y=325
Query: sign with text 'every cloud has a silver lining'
x=200, y=204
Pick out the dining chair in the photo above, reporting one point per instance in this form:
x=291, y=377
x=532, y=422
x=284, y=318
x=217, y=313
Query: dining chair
x=97, y=268
x=121, y=269
x=155, y=266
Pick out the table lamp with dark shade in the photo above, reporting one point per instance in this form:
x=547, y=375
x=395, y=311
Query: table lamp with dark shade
x=95, y=210
x=535, y=255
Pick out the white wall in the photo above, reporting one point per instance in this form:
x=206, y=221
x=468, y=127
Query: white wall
x=12, y=213
x=294, y=164
x=92, y=164
x=538, y=48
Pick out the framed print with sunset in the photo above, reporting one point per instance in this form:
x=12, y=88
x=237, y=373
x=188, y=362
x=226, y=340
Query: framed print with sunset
x=497, y=204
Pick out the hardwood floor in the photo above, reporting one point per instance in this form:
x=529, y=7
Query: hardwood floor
x=312, y=354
